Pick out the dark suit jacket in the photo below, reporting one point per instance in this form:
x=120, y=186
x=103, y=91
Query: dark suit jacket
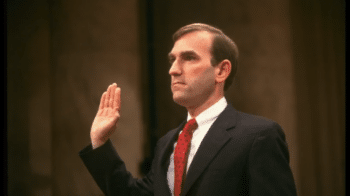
x=241, y=154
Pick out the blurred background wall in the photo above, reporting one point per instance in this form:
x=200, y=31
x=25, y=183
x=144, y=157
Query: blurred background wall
x=62, y=55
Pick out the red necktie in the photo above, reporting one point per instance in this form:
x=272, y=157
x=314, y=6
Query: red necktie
x=181, y=153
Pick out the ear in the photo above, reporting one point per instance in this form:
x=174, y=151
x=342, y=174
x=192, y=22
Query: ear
x=222, y=71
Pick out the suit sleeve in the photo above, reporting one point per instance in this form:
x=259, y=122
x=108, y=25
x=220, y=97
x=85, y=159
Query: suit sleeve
x=110, y=174
x=269, y=170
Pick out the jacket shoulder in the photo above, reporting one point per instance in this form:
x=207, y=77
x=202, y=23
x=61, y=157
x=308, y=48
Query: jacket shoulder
x=254, y=124
x=251, y=120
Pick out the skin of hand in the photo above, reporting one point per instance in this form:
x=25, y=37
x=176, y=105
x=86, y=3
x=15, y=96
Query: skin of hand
x=107, y=116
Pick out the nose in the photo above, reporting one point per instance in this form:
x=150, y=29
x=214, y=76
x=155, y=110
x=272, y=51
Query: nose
x=175, y=69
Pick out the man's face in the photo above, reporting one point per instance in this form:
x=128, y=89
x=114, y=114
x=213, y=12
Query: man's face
x=192, y=75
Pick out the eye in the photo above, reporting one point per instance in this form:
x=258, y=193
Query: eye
x=171, y=60
x=189, y=57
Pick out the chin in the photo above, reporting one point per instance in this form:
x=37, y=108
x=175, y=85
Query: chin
x=182, y=100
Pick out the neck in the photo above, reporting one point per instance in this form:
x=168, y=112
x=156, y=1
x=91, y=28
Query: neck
x=194, y=111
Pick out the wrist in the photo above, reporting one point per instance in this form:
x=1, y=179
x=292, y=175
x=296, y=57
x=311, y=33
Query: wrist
x=95, y=143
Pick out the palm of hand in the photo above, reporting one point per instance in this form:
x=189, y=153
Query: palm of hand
x=107, y=116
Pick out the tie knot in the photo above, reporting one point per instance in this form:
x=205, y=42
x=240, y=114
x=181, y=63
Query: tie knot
x=190, y=126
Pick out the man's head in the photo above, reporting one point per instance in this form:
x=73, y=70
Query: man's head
x=222, y=47
x=201, y=65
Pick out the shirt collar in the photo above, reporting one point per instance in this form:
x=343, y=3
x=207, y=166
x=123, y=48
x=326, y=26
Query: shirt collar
x=211, y=113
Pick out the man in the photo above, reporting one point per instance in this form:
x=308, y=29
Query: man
x=219, y=151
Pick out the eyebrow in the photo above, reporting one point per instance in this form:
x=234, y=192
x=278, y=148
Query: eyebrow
x=183, y=53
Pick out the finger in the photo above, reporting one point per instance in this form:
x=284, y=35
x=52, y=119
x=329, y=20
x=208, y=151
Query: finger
x=108, y=92
x=113, y=87
x=102, y=102
x=116, y=103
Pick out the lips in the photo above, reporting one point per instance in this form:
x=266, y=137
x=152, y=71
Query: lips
x=174, y=83
x=177, y=85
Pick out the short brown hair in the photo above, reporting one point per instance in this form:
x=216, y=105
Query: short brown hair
x=222, y=47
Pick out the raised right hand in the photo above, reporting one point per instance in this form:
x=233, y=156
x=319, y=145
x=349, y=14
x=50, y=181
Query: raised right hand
x=107, y=116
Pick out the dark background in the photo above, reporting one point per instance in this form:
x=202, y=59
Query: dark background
x=62, y=55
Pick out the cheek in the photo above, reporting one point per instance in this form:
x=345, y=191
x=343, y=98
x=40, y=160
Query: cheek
x=207, y=77
x=203, y=80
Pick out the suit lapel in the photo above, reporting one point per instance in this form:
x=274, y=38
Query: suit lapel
x=167, y=148
x=164, y=157
x=215, y=139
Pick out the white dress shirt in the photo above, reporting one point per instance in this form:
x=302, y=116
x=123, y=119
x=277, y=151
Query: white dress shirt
x=204, y=121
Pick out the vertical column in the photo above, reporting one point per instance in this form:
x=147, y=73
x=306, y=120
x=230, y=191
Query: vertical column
x=29, y=152
x=93, y=45
x=319, y=56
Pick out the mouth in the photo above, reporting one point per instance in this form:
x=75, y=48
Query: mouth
x=177, y=86
x=177, y=83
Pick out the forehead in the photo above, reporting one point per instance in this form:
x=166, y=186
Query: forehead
x=198, y=41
